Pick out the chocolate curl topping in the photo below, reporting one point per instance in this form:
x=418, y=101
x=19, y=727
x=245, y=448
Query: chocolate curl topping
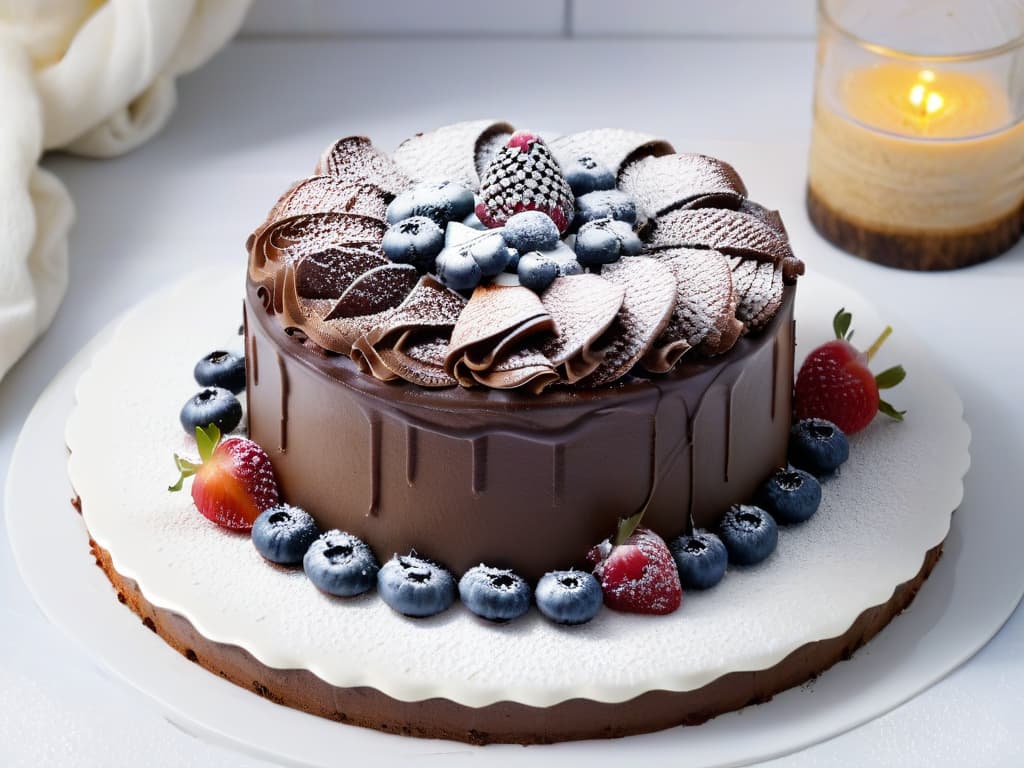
x=330, y=194
x=382, y=288
x=524, y=368
x=704, y=316
x=419, y=359
x=758, y=292
x=667, y=183
x=496, y=318
x=582, y=307
x=413, y=341
x=355, y=160
x=612, y=147
x=647, y=304
x=328, y=274
x=731, y=232
x=449, y=153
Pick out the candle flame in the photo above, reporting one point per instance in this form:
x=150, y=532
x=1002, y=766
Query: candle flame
x=926, y=101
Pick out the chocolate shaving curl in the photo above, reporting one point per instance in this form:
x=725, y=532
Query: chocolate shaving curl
x=613, y=147
x=329, y=194
x=355, y=160
x=413, y=341
x=582, y=307
x=382, y=288
x=704, y=316
x=449, y=153
x=731, y=232
x=495, y=321
x=647, y=304
x=759, y=291
x=328, y=274
x=670, y=182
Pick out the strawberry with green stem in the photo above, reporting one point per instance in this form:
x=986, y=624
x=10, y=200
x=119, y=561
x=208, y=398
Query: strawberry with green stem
x=835, y=382
x=234, y=480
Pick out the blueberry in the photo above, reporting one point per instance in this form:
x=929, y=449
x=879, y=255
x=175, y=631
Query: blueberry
x=569, y=597
x=531, y=231
x=282, y=534
x=790, y=495
x=494, y=594
x=221, y=369
x=700, y=559
x=629, y=240
x=416, y=240
x=491, y=254
x=415, y=586
x=605, y=204
x=585, y=174
x=457, y=269
x=749, y=534
x=536, y=271
x=474, y=222
x=597, y=244
x=340, y=564
x=442, y=201
x=211, y=405
x=817, y=446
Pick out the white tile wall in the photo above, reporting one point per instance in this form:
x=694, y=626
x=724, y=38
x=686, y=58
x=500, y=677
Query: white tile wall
x=545, y=18
x=757, y=18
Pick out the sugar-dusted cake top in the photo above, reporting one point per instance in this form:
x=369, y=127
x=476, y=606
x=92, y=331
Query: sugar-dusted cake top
x=477, y=255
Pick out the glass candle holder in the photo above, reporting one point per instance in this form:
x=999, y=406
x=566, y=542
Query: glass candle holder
x=917, y=150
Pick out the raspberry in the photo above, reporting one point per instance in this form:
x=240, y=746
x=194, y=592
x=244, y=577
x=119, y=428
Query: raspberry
x=639, y=575
x=524, y=176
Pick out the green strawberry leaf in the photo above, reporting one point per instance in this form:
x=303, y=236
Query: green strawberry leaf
x=206, y=441
x=626, y=527
x=186, y=468
x=890, y=377
x=841, y=324
x=889, y=411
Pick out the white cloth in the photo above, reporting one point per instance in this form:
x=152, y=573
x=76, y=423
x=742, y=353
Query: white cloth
x=95, y=78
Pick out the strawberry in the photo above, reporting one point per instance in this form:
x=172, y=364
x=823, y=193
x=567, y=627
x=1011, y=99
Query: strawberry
x=524, y=176
x=234, y=481
x=835, y=382
x=637, y=573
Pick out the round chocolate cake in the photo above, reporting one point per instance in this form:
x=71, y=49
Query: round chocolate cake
x=504, y=421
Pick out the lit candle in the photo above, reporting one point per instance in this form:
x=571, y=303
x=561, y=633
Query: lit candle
x=917, y=168
x=916, y=160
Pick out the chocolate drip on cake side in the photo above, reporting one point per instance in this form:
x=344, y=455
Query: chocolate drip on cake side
x=470, y=476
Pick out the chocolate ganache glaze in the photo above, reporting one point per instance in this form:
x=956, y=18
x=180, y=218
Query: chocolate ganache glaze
x=505, y=425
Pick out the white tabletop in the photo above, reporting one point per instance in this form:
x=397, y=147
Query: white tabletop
x=257, y=117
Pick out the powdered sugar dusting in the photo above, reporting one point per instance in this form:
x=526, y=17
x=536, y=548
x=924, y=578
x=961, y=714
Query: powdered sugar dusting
x=663, y=184
x=355, y=160
x=704, y=314
x=613, y=147
x=758, y=292
x=650, y=293
x=582, y=307
x=731, y=232
x=331, y=194
x=822, y=576
x=448, y=153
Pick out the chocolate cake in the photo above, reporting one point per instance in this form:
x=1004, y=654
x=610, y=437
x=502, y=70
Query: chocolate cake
x=637, y=362
x=503, y=425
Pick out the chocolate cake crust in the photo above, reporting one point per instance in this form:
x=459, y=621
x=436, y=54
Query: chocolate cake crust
x=510, y=722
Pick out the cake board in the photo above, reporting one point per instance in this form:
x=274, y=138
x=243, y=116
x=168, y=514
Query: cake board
x=880, y=677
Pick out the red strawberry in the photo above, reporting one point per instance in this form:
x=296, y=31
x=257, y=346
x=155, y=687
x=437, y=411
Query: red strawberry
x=835, y=382
x=524, y=176
x=234, y=479
x=639, y=574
